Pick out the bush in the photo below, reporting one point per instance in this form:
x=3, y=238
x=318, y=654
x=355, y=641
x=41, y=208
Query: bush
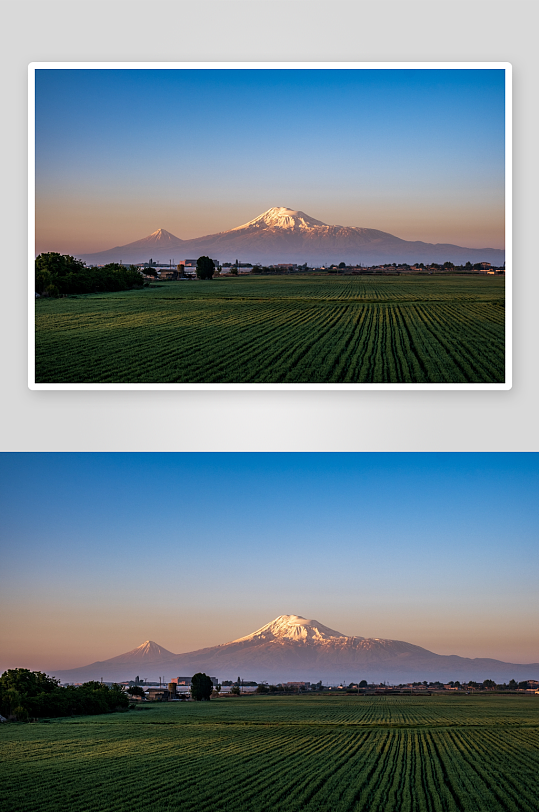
x=25, y=693
x=62, y=274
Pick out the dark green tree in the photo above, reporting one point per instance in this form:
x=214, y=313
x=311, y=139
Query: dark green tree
x=52, y=266
x=262, y=689
x=62, y=274
x=201, y=687
x=135, y=690
x=205, y=268
x=31, y=694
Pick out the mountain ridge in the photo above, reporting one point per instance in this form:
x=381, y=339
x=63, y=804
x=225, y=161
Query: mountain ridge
x=292, y=647
x=281, y=234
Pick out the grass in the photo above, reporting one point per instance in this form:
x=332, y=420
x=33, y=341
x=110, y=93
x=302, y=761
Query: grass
x=294, y=754
x=446, y=329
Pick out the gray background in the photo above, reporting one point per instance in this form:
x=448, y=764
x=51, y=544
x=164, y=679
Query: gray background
x=270, y=30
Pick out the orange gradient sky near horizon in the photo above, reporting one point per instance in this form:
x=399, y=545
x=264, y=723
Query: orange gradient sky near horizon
x=81, y=227
x=438, y=550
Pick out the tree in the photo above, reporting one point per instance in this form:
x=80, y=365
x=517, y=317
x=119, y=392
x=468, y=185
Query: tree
x=135, y=690
x=205, y=268
x=201, y=687
x=52, y=266
x=62, y=274
x=32, y=694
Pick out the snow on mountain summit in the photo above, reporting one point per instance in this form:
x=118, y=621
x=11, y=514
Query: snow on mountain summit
x=293, y=627
x=148, y=651
x=282, y=218
x=161, y=236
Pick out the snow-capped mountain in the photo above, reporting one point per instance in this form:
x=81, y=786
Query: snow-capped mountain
x=281, y=217
x=292, y=647
x=281, y=234
x=147, y=652
x=292, y=627
x=159, y=239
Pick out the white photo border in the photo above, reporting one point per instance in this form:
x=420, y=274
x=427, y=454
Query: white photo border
x=506, y=66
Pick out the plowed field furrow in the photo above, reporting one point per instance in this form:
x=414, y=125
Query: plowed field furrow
x=510, y=793
x=439, y=366
x=461, y=354
x=284, y=368
x=267, y=354
x=327, y=343
x=341, y=329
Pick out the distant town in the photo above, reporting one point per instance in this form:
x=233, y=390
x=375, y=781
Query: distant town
x=187, y=269
x=179, y=688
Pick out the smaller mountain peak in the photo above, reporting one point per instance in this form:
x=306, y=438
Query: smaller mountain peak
x=149, y=649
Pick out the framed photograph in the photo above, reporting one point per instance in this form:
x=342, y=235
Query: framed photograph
x=270, y=225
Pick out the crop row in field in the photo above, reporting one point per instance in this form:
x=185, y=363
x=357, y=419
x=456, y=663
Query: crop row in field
x=315, y=338
x=272, y=754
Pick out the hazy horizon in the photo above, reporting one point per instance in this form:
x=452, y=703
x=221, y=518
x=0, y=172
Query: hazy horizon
x=104, y=551
x=121, y=153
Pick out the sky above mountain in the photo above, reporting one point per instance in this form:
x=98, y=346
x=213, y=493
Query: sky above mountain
x=120, y=153
x=102, y=551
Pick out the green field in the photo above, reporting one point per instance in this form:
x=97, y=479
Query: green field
x=269, y=754
x=432, y=329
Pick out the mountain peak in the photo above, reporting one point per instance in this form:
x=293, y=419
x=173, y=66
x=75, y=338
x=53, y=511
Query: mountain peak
x=293, y=627
x=148, y=651
x=282, y=218
x=162, y=234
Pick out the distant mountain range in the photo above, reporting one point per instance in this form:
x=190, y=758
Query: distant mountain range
x=292, y=647
x=285, y=235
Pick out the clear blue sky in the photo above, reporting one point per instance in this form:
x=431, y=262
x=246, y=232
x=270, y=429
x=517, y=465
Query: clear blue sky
x=103, y=551
x=120, y=153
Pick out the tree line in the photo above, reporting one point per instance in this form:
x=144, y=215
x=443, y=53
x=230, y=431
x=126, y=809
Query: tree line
x=58, y=274
x=28, y=695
